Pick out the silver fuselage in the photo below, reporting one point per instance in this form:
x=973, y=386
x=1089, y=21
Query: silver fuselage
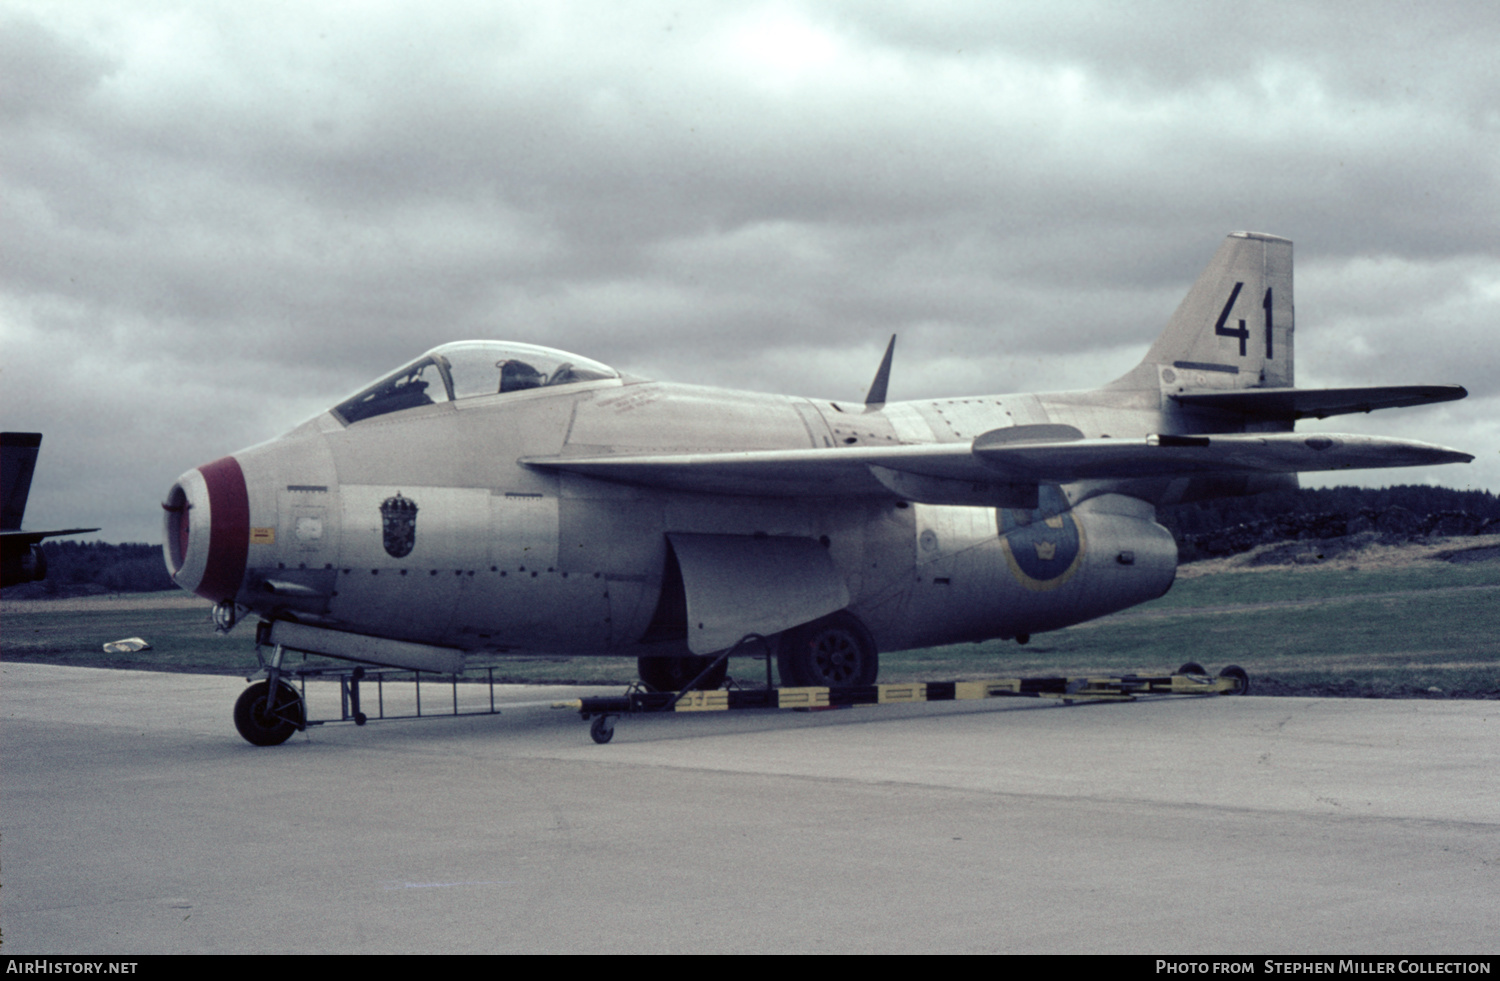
x=507, y=557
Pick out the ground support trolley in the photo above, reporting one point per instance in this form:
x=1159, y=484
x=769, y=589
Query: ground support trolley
x=1190, y=679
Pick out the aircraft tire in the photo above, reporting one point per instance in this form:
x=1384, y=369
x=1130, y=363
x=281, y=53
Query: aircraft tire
x=1240, y=675
x=261, y=728
x=603, y=729
x=671, y=673
x=1192, y=667
x=836, y=651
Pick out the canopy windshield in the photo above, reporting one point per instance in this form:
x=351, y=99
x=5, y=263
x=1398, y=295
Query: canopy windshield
x=469, y=369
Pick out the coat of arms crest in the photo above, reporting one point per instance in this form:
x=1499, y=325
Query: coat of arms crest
x=398, y=519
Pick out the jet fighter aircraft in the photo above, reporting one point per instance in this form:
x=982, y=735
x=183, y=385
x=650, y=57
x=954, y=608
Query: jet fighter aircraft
x=499, y=497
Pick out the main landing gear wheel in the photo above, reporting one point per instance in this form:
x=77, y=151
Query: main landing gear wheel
x=672, y=673
x=1192, y=667
x=834, y=651
x=1241, y=677
x=273, y=726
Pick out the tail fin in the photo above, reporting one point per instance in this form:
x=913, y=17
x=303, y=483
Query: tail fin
x=1234, y=329
x=17, y=461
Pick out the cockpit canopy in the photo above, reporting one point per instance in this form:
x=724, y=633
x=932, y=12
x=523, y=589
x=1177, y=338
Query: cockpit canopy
x=469, y=369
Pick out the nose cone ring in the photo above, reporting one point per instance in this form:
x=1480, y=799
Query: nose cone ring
x=207, y=530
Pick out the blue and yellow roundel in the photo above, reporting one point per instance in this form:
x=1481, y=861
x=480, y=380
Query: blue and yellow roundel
x=1043, y=547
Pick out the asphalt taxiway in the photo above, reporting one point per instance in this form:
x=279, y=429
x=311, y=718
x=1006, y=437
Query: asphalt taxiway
x=133, y=819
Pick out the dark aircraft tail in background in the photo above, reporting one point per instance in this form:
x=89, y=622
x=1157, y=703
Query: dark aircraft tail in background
x=21, y=557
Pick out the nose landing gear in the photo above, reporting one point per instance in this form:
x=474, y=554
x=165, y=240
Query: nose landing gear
x=268, y=714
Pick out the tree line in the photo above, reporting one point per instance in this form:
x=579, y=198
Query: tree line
x=1202, y=530
x=97, y=567
x=1207, y=529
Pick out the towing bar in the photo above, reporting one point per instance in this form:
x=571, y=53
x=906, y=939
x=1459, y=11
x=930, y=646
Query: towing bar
x=1190, y=679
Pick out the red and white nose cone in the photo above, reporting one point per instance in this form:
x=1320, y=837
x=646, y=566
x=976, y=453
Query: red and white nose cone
x=207, y=530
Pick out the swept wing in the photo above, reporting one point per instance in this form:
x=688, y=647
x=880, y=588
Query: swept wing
x=995, y=463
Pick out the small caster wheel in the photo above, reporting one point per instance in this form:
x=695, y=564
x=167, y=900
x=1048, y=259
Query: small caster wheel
x=1192, y=667
x=360, y=718
x=602, y=729
x=1241, y=678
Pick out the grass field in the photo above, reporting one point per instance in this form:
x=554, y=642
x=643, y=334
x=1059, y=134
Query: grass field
x=1424, y=629
x=1429, y=630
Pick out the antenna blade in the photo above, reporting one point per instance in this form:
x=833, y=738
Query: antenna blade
x=882, y=377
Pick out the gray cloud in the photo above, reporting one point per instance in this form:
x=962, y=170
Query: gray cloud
x=222, y=217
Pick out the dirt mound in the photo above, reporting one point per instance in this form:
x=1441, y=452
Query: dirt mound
x=1472, y=553
x=1392, y=525
x=1366, y=550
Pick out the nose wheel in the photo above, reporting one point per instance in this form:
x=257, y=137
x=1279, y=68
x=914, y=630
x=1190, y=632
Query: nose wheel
x=267, y=716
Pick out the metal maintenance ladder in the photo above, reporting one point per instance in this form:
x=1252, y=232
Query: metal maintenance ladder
x=405, y=705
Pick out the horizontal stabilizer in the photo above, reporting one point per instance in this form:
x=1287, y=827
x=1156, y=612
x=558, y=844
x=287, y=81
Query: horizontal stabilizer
x=32, y=537
x=992, y=470
x=1319, y=403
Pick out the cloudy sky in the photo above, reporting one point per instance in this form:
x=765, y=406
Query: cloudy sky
x=216, y=218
